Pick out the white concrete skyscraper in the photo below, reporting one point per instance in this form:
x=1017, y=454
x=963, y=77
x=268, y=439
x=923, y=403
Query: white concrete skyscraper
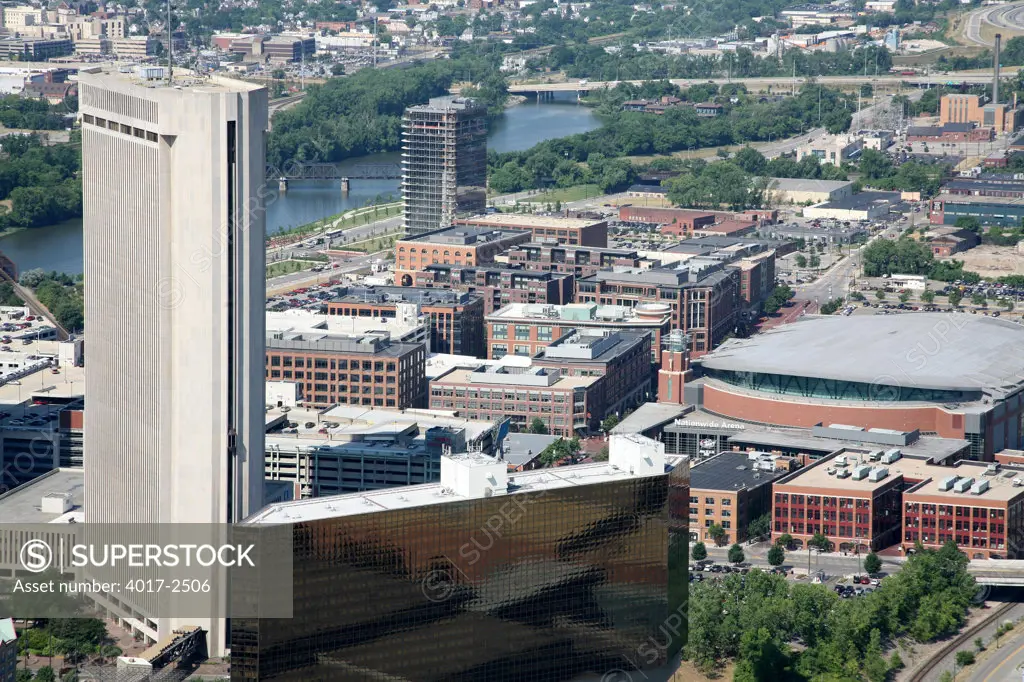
x=173, y=179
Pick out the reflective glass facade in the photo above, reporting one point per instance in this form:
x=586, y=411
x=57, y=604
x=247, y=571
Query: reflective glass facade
x=530, y=587
x=815, y=387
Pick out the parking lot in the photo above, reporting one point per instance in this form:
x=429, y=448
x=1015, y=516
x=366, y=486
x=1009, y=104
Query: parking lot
x=847, y=587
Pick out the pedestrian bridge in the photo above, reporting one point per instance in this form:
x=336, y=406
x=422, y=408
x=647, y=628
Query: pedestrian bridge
x=998, y=572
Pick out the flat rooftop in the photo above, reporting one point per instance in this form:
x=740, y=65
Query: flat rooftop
x=956, y=352
x=407, y=497
x=971, y=199
x=649, y=416
x=802, y=185
x=464, y=377
x=1001, y=487
x=109, y=75
x=465, y=235
x=514, y=220
x=312, y=323
x=583, y=313
x=924, y=476
x=395, y=294
x=931, y=447
x=24, y=503
x=862, y=200
x=730, y=471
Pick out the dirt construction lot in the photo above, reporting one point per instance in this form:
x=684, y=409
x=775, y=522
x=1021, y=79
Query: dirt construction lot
x=993, y=261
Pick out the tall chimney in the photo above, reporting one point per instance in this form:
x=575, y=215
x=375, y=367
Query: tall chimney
x=995, y=78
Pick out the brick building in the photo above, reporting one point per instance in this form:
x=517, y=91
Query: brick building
x=565, y=404
x=621, y=358
x=365, y=370
x=455, y=318
x=855, y=505
x=8, y=650
x=679, y=221
x=732, y=489
x=526, y=329
x=703, y=295
x=978, y=506
x=567, y=231
x=757, y=278
x=581, y=261
x=452, y=246
x=500, y=286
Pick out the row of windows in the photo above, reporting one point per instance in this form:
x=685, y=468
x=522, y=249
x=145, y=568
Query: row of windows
x=726, y=501
x=322, y=363
x=323, y=376
x=147, y=135
x=498, y=394
x=948, y=510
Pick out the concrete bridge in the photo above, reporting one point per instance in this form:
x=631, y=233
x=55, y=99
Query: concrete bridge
x=778, y=83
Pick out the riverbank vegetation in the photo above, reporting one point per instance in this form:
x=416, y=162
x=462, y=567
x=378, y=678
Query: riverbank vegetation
x=775, y=630
x=596, y=157
x=362, y=113
x=60, y=293
x=39, y=181
x=628, y=63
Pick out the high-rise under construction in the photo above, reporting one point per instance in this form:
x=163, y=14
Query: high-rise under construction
x=444, y=162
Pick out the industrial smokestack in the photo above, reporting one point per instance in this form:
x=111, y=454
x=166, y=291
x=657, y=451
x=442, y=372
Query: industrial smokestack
x=995, y=79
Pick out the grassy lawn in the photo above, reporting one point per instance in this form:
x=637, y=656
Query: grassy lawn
x=287, y=267
x=352, y=218
x=566, y=194
x=373, y=245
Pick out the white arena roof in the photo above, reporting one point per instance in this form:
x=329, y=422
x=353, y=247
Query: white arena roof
x=937, y=351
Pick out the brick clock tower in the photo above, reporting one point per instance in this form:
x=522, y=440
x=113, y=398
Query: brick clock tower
x=675, y=367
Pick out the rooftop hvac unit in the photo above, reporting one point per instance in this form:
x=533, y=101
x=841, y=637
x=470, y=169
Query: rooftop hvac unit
x=891, y=456
x=963, y=484
x=841, y=460
x=861, y=472
x=830, y=472
x=993, y=468
x=875, y=455
x=1017, y=482
x=947, y=483
x=843, y=473
x=878, y=473
x=979, y=487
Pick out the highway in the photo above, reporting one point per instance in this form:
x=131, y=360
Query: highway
x=777, y=83
x=1007, y=664
x=1008, y=18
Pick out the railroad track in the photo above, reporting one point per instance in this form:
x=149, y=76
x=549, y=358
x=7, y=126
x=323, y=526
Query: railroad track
x=954, y=644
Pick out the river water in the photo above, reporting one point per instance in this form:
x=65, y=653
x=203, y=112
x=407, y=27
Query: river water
x=59, y=247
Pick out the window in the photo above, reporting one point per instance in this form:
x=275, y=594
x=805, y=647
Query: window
x=709, y=500
x=522, y=332
x=543, y=333
x=499, y=331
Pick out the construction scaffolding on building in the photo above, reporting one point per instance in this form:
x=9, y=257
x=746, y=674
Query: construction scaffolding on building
x=444, y=163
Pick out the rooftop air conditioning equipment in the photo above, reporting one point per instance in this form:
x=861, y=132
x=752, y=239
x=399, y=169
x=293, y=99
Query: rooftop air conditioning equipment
x=963, y=484
x=1017, y=482
x=877, y=474
x=947, y=483
x=979, y=487
x=993, y=468
x=841, y=460
x=891, y=456
x=861, y=472
x=843, y=473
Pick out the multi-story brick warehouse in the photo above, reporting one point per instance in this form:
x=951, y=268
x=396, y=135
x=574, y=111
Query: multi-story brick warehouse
x=704, y=296
x=866, y=500
x=367, y=370
x=500, y=286
x=857, y=507
x=621, y=358
x=566, y=231
x=956, y=376
x=567, y=405
x=529, y=328
x=456, y=318
x=732, y=489
x=579, y=261
x=452, y=246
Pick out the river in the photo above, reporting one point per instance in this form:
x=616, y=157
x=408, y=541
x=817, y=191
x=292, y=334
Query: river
x=59, y=247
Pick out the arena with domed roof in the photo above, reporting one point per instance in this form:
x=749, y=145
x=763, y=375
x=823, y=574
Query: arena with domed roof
x=951, y=375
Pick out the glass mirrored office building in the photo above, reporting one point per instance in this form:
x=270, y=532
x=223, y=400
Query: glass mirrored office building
x=487, y=576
